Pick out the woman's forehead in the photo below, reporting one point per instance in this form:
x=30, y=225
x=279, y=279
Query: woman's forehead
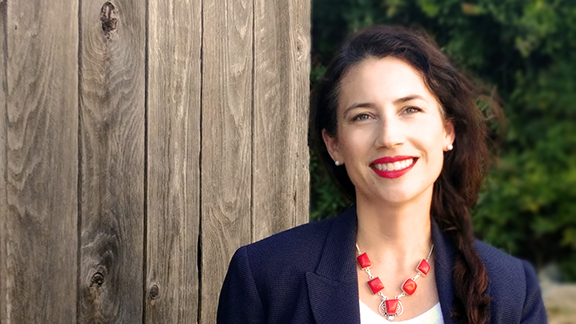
x=383, y=79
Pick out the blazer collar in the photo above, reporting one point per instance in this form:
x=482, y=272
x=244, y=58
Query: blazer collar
x=333, y=287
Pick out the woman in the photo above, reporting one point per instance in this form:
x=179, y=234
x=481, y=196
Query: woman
x=406, y=139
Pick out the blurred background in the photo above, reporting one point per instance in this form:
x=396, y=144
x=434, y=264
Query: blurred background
x=525, y=51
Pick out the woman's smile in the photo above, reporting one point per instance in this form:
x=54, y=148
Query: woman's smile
x=392, y=167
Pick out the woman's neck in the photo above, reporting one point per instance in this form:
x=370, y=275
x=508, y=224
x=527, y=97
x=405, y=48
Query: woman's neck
x=401, y=234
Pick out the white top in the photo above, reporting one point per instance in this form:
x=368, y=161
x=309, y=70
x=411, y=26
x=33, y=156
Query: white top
x=431, y=316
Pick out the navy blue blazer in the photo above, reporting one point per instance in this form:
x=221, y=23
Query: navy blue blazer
x=308, y=275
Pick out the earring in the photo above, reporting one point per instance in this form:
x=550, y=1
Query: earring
x=337, y=163
x=449, y=147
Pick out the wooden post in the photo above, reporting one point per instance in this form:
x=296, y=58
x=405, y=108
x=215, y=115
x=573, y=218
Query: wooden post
x=227, y=78
x=112, y=87
x=281, y=74
x=174, y=107
x=39, y=149
x=4, y=293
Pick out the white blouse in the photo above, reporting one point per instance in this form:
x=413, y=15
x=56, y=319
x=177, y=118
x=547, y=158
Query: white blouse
x=431, y=316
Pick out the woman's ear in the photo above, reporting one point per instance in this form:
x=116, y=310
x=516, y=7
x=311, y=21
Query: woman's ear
x=332, y=147
x=449, y=133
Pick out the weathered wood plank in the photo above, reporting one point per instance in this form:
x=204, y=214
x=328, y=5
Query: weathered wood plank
x=226, y=141
x=174, y=85
x=281, y=87
x=112, y=97
x=39, y=158
x=3, y=165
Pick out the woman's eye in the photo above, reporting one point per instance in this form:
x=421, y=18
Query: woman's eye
x=412, y=110
x=361, y=117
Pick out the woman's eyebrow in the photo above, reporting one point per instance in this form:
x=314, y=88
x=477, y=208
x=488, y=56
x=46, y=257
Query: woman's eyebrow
x=408, y=98
x=358, y=105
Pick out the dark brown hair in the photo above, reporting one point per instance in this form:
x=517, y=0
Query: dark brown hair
x=456, y=189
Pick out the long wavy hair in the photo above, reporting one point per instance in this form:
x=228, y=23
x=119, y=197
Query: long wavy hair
x=456, y=189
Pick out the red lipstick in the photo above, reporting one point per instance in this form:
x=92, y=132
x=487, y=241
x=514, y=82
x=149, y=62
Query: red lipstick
x=391, y=159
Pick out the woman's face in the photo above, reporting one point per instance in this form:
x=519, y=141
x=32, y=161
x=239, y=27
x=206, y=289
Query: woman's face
x=391, y=133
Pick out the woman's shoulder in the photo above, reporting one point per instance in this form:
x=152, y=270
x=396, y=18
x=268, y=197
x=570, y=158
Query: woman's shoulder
x=503, y=266
x=306, y=236
x=299, y=247
x=309, y=235
x=513, y=285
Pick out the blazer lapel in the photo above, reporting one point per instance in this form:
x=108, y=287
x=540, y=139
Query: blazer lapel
x=444, y=260
x=333, y=287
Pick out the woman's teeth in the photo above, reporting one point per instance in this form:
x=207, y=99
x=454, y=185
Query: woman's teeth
x=399, y=165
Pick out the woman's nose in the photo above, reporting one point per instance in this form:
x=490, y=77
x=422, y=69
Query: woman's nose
x=390, y=133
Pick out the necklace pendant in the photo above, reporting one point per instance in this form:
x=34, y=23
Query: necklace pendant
x=390, y=308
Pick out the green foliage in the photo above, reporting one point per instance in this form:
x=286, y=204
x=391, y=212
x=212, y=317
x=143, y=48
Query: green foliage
x=327, y=200
x=526, y=50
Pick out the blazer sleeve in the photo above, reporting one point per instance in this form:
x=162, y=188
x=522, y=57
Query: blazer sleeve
x=533, y=311
x=239, y=299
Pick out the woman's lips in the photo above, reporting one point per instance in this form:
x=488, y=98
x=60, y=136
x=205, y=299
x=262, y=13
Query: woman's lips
x=393, y=166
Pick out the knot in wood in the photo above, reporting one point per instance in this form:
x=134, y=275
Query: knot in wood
x=154, y=292
x=97, y=279
x=107, y=19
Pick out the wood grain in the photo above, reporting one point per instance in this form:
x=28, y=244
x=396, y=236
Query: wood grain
x=112, y=111
x=3, y=167
x=39, y=126
x=174, y=85
x=226, y=141
x=146, y=232
x=281, y=73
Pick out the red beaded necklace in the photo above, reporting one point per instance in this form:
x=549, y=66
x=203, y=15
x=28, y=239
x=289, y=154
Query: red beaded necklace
x=392, y=307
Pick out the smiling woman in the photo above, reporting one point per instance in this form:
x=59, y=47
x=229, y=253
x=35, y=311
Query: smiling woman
x=399, y=128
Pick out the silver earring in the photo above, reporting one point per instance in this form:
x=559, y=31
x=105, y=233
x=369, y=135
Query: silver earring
x=449, y=147
x=337, y=163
